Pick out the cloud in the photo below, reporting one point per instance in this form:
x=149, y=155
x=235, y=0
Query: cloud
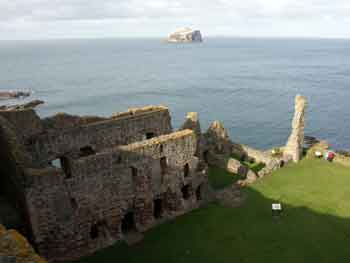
x=39, y=15
x=38, y=10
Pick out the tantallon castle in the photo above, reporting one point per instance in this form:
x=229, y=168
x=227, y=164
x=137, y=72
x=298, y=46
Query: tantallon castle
x=83, y=183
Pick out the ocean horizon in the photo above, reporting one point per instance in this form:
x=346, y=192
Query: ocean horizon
x=249, y=84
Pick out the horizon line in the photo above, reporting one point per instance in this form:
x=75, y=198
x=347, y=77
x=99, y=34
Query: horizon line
x=164, y=38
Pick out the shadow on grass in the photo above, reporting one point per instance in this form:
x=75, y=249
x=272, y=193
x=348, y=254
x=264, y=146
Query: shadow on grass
x=219, y=178
x=246, y=234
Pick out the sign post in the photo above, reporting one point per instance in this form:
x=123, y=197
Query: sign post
x=276, y=210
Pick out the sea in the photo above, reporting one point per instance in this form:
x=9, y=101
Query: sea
x=247, y=83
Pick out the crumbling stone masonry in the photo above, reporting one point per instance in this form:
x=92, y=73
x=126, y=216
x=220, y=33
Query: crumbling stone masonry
x=15, y=248
x=83, y=183
x=294, y=148
x=219, y=150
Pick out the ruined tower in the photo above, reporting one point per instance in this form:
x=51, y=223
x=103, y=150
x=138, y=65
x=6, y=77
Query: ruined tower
x=294, y=147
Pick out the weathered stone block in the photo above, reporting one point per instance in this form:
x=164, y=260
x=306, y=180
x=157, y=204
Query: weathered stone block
x=236, y=167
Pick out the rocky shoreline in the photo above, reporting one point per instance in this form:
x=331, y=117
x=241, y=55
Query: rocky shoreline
x=6, y=95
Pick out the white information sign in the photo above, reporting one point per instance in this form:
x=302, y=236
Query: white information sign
x=276, y=207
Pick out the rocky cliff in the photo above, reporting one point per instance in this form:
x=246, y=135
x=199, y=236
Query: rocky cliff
x=13, y=94
x=185, y=35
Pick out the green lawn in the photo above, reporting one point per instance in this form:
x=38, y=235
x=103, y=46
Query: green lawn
x=256, y=167
x=315, y=226
x=220, y=178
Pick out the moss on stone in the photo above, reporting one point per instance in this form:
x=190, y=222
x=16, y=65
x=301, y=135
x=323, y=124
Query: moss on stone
x=14, y=244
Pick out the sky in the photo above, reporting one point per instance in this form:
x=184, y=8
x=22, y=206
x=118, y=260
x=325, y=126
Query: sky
x=50, y=19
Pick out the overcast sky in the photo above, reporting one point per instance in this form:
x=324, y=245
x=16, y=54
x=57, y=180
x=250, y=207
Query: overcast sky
x=41, y=19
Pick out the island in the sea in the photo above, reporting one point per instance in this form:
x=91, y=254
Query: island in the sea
x=185, y=35
x=5, y=95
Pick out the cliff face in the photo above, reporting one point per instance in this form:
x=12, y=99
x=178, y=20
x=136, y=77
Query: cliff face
x=185, y=35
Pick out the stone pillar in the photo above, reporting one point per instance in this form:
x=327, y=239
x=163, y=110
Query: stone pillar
x=294, y=147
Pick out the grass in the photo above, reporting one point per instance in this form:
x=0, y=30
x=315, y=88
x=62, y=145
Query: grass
x=314, y=227
x=256, y=167
x=220, y=178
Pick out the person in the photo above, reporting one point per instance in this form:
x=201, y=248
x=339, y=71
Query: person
x=329, y=156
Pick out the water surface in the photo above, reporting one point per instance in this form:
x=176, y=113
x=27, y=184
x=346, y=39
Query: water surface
x=249, y=84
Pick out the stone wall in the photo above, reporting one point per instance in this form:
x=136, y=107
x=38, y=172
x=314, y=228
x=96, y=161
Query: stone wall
x=256, y=155
x=78, y=213
x=192, y=123
x=217, y=139
x=66, y=121
x=24, y=121
x=78, y=180
x=220, y=151
x=120, y=130
x=12, y=161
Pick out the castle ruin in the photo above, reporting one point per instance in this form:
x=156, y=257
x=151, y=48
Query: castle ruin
x=83, y=183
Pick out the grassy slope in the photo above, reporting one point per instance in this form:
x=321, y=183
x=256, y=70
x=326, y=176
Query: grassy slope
x=256, y=167
x=219, y=178
x=315, y=226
